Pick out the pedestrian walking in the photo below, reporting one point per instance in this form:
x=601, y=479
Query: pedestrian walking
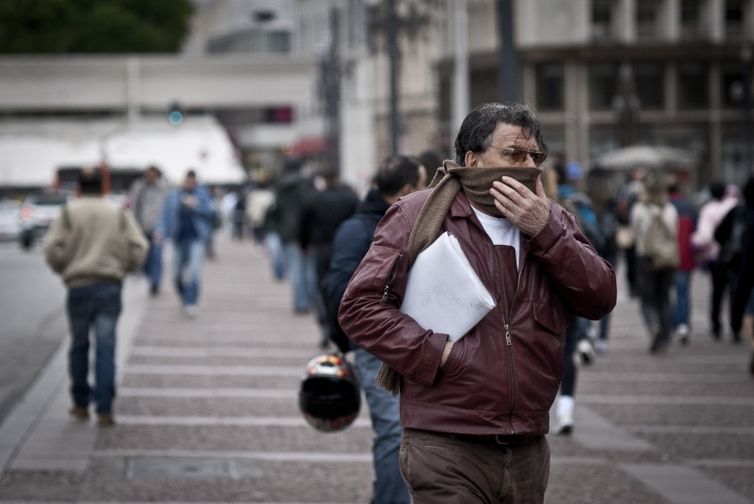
x=687, y=217
x=92, y=245
x=475, y=412
x=291, y=191
x=187, y=220
x=742, y=302
x=708, y=250
x=654, y=221
x=321, y=214
x=396, y=177
x=627, y=195
x=146, y=199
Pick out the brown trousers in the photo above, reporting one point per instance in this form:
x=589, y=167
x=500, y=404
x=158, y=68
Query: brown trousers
x=445, y=469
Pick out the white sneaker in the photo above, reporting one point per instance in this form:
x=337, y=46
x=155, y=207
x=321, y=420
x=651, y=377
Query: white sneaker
x=564, y=414
x=586, y=352
x=191, y=311
x=682, y=333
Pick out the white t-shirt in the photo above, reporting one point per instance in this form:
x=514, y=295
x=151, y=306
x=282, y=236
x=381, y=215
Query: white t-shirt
x=500, y=231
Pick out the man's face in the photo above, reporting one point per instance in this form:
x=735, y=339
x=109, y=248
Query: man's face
x=189, y=184
x=152, y=176
x=510, y=147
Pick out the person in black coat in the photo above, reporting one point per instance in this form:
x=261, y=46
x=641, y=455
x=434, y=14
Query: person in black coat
x=397, y=176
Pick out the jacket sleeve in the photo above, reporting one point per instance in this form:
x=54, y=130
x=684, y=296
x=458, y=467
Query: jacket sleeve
x=57, y=248
x=136, y=242
x=369, y=311
x=585, y=282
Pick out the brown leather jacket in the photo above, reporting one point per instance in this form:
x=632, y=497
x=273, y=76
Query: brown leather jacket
x=501, y=377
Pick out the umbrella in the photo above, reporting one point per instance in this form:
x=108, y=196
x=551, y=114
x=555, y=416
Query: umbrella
x=646, y=155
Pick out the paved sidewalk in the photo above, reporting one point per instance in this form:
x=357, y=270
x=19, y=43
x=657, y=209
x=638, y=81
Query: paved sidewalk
x=207, y=413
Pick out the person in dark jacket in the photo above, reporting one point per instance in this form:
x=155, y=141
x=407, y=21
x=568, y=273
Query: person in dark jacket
x=742, y=303
x=321, y=214
x=396, y=177
x=474, y=413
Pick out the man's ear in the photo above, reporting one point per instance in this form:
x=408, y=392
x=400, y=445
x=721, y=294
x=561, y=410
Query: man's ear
x=469, y=159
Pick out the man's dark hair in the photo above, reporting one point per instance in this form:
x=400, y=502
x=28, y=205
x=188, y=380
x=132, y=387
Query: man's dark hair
x=191, y=173
x=395, y=172
x=717, y=190
x=476, y=131
x=90, y=182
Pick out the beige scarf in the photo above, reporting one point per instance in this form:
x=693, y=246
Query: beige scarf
x=448, y=180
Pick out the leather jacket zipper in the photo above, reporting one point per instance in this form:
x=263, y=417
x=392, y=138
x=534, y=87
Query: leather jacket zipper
x=390, y=278
x=509, y=344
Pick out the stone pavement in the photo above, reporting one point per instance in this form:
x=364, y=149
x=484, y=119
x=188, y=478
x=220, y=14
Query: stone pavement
x=207, y=413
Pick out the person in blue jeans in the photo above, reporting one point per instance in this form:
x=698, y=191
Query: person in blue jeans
x=92, y=245
x=396, y=177
x=146, y=200
x=187, y=221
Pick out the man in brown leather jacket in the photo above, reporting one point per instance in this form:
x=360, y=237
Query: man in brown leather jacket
x=475, y=412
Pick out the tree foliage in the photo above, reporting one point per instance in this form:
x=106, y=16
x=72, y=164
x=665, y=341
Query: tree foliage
x=93, y=26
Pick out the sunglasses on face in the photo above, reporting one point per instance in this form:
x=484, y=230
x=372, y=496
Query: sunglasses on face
x=519, y=155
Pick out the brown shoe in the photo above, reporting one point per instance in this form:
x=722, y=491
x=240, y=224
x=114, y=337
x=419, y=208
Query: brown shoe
x=79, y=412
x=105, y=420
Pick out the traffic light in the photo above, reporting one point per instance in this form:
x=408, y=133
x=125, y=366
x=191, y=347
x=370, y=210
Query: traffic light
x=175, y=114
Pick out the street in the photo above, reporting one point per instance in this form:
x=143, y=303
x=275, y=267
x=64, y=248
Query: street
x=33, y=320
x=207, y=409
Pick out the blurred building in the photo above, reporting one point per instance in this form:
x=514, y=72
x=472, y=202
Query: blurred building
x=600, y=73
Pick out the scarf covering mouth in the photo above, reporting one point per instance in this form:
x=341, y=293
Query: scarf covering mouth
x=448, y=180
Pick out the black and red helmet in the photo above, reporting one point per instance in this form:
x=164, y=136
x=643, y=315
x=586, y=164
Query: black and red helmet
x=329, y=396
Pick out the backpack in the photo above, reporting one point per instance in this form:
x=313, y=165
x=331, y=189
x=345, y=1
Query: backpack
x=660, y=246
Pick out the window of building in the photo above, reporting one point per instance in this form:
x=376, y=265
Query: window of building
x=692, y=85
x=646, y=19
x=732, y=85
x=603, y=85
x=649, y=83
x=550, y=86
x=602, y=19
x=690, y=19
x=734, y=19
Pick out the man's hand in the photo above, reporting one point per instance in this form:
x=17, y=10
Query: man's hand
x=528, y=211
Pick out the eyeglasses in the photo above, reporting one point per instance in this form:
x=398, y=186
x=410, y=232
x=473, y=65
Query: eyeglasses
x=519, y=155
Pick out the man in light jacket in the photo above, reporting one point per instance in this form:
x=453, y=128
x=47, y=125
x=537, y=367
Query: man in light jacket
x=92, y=245
x=475, y=412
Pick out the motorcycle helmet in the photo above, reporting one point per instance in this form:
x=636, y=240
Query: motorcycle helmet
x=329, y=396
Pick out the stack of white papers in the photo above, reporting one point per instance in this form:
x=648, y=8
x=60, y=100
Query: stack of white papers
x=443, y=292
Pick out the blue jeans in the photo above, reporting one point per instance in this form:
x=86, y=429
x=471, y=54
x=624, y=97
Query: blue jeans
x=303, y=277
x=96, y=306
x=187, y=269
x=682, y=288
x=384, y=410
x=153, y=263
x=276, y=254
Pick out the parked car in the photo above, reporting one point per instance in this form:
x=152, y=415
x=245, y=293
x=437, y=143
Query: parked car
x=10, y=227
x=37, y=213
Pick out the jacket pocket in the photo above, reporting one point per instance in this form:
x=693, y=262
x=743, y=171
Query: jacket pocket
x=549, y=318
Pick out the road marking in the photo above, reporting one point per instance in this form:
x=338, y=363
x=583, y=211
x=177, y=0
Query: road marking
x=239, y=421
x=208, y=392
x=689, y=429
x=597, y=433
x=683, y=485
x=613, y=377
x=215, y=370
x=666, y=399
x=225, y=351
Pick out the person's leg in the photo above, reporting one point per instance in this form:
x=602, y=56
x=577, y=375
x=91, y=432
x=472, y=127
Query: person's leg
x=664, y=284
x=193, y=273
x=565, y=405
x=276, y=254
x=646, y=284
x=297, y=269
x=529, y=468
x=440, y=469
x=384, y=411
x=155, y=266
x=105, y=322
x=180, y=256
x=719, y=277
x=80, y=308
